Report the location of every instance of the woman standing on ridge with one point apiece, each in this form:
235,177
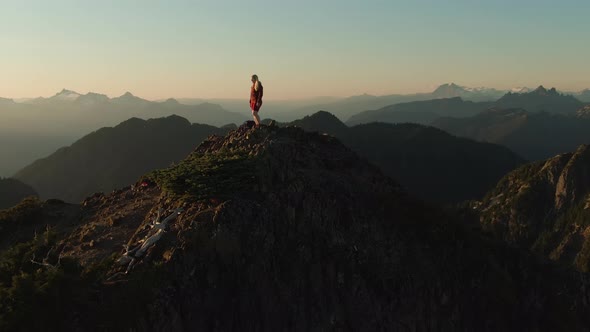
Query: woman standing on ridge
256,98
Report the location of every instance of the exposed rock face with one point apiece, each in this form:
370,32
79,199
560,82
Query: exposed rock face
574,182
584,112
285,230
543,206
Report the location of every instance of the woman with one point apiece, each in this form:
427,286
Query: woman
256,98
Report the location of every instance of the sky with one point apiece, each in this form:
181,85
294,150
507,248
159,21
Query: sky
299,49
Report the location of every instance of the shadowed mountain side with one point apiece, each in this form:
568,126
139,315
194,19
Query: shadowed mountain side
421,112
272,229
545,206
19,148
110,158
13,191
534,136
427,161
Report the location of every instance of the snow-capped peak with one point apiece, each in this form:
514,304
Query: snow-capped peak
521,89
66,95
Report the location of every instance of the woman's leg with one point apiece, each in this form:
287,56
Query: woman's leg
256,117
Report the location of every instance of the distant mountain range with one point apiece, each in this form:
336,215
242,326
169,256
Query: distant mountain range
34,128
344,109
102,109
426,112
111,158
539,100
421,112
427,161
536,100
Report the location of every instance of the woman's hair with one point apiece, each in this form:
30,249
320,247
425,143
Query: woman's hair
255,77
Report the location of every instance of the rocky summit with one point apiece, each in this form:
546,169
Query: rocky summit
269,229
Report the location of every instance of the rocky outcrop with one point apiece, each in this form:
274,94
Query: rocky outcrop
574,182
543,206
584,112
278,229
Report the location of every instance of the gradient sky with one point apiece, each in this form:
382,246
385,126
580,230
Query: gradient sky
303,48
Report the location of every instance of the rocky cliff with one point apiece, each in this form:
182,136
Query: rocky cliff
545,206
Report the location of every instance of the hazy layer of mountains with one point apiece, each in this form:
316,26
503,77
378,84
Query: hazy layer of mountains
427,161
533,135
33,128
91,111
425,112
113,157
522,132
274,229
345,108
536,125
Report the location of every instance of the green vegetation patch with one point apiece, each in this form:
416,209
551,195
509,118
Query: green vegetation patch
34,296
27,211
211,175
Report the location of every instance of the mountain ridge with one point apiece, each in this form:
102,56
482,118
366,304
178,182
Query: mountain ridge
307,235
112,157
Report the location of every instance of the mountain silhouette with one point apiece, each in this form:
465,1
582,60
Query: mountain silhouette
271,229
540,99
421,112
427,161
111,158
13,191
533,135
345,108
